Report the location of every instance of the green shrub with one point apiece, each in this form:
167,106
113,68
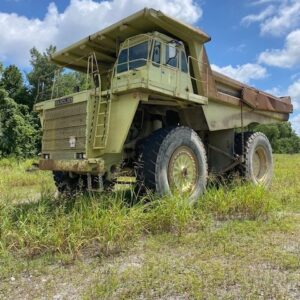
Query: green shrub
281,136
18,132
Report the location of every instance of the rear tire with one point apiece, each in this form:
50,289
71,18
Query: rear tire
257,167
173,160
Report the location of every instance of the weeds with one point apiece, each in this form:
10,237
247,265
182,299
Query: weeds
236,261
239,202
105,224
17,182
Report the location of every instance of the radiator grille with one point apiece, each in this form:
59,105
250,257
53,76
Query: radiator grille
60,124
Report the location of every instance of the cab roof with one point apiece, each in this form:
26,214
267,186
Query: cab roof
105,43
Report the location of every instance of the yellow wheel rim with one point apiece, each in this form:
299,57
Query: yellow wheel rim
183,170
260,165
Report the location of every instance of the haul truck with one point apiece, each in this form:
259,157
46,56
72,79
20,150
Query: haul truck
155,113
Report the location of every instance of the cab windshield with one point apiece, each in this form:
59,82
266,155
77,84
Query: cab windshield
133,57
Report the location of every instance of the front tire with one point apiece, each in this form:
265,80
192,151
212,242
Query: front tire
174,161
69,186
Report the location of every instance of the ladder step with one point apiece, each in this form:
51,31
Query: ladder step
100,137
126,179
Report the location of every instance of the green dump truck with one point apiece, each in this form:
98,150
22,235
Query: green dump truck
155,113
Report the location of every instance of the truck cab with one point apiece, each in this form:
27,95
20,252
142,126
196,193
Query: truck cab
153,61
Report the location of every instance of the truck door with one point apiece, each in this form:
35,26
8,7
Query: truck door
184,83
156,71
169,69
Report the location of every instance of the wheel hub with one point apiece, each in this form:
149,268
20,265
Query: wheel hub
183,170
260,166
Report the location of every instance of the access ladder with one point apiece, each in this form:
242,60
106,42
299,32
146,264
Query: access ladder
101,107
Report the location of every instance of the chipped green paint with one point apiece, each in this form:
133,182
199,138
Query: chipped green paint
93,166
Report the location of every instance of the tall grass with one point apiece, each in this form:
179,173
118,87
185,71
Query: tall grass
106,223
17,181
240,201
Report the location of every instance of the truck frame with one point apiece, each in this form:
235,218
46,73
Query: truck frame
155,114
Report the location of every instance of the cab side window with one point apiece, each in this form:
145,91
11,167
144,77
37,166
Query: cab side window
184,65
122,61
156,52
171,55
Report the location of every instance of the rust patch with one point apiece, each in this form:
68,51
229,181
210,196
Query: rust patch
253,97
95,166
263,101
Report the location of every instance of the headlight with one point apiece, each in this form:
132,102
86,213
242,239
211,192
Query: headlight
46,156
80,155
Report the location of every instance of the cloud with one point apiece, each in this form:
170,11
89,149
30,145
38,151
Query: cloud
19,34
259,17
244,73
276,91
286,18
261,2
238,48
295,76
295,120
278,20
81,18
294,91
287,57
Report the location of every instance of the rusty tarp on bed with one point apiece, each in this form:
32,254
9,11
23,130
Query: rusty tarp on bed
256,99
263,101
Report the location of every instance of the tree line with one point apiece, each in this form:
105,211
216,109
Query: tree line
281,136
20,130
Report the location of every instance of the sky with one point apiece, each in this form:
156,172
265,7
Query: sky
254,41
